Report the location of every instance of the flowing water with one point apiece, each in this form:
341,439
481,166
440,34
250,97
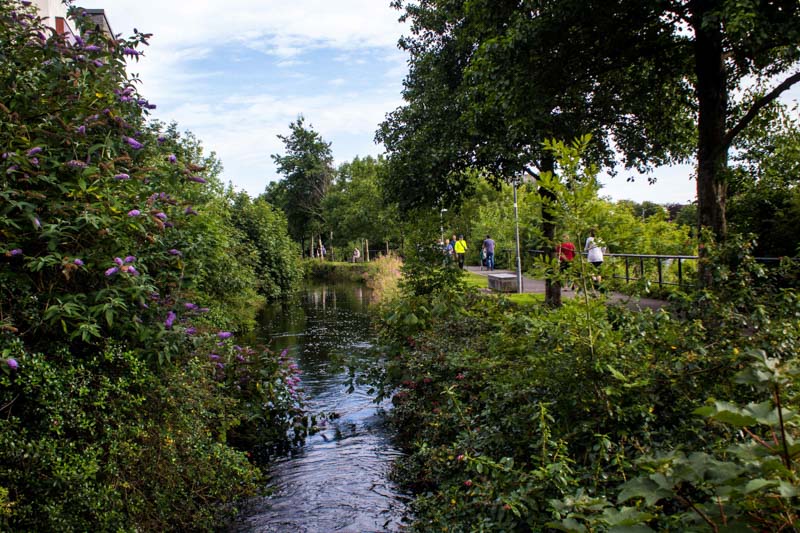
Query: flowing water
338,481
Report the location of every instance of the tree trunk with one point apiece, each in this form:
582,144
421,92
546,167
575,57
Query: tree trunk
552,289
712,151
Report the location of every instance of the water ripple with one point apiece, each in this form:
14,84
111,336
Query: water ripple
339,480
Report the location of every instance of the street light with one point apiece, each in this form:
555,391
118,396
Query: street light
441,222
516,234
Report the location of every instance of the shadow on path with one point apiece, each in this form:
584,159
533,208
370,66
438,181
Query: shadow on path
536,286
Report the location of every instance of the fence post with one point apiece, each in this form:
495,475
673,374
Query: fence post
627,271
680,273
659,273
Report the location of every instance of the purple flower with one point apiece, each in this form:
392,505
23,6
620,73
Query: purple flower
80,130
6,155
175,252
220,366
15,251
130,259
190,211
98,63
203,310
79,41
191,331
119,261
34,151
78,262
197,179
134,213
161,216
75,163
170,319
36,222
92,48
161,139
224,334
190,306
136,145
132,270
172,158
214,357
128,51
111,271
12,363
169,225
12,168
240,358
121,177
34,161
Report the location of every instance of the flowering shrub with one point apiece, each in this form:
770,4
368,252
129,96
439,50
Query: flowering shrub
114,234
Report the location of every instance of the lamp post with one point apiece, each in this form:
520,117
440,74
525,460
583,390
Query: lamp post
441,222
516,235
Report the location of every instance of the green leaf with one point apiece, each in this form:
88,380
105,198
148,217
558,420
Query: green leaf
625,517
643,488
759,484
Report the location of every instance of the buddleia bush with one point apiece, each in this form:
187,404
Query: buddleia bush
119,387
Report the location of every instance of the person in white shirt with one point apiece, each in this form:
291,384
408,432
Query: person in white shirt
594,252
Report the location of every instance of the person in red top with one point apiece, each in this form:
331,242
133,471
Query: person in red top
566,253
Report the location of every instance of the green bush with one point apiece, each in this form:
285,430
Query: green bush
526,419
122,396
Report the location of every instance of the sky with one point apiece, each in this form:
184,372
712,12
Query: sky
236,73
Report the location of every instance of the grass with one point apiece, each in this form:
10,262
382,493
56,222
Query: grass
477,281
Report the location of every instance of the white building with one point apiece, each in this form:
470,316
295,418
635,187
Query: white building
55,15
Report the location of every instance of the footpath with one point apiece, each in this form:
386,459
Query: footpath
536,286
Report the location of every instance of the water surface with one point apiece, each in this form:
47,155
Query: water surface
338,481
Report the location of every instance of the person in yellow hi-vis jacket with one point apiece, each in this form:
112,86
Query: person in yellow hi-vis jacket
461,250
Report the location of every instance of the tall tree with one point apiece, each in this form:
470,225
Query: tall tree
490,79
486,90
307,167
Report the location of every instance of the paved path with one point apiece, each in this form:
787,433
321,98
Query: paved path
536,286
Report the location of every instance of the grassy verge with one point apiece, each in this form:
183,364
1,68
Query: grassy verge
477,281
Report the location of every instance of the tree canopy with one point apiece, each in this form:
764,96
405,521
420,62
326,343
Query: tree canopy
656,80
307,167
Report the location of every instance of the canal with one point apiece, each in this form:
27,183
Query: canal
338,481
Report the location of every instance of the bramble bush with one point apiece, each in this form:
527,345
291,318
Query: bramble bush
125,403
584,418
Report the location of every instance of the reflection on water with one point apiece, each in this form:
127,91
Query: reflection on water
338,480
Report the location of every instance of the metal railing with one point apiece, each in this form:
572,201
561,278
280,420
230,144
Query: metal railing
636,266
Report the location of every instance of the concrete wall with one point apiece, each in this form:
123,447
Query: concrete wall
51,10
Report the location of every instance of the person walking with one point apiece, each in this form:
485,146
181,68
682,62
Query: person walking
566,253
461,250
488,249
594,253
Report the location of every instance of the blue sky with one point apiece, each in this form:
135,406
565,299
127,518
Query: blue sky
237,72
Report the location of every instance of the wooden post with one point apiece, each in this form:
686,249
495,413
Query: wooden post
366,247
